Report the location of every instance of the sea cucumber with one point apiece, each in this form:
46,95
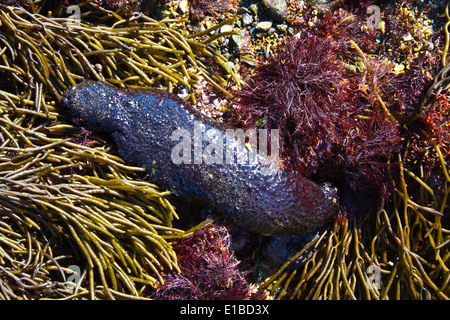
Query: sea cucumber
141,124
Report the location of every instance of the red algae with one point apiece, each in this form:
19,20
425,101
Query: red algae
199,9
332,124
209,270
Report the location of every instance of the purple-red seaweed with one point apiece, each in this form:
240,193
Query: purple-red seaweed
209,270
199,9
321,110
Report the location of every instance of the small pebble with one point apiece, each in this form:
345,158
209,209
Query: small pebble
250,61
226,54
184,93
276,9
209,23
243,10
408,37
226,28
254,9
242,41
247,19
263,26
183,6
282,27
98,67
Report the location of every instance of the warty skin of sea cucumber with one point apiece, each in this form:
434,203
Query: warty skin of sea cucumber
141,124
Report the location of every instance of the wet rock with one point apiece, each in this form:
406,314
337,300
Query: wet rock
209,23
276,9
323,4
254,9
282,27
246,19
183,6
250,61
236,40
263,26
226,54
226,28
242,41
243,10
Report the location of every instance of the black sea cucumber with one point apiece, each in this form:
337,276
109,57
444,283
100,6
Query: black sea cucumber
141,124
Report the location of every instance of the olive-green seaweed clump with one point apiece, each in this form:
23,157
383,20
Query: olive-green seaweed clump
75,220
